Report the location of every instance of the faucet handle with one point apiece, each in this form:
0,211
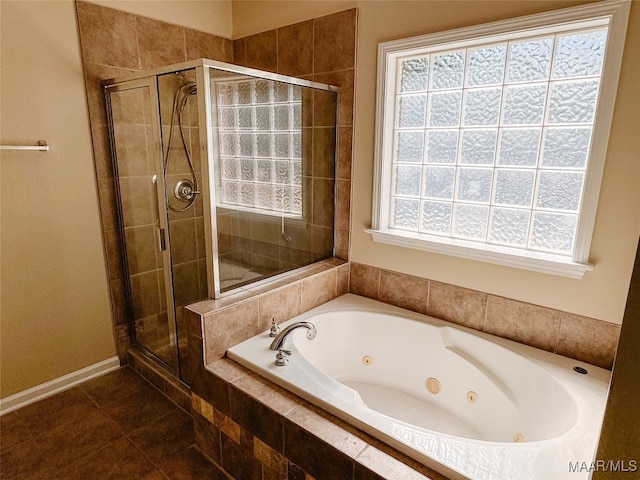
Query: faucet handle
282,358
275,328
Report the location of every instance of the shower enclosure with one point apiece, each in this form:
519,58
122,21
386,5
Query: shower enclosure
224,176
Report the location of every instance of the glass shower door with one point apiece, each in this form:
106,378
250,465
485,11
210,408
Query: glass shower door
140,187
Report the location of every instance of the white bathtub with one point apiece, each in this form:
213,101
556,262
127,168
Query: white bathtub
464,403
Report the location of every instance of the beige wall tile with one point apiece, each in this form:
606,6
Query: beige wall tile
262,51
458,305
318,289
229,327
159,43
404,291
364,280
108,36
204,45
345,147
281,304
345,80
587,339
522,322
295,49
334,41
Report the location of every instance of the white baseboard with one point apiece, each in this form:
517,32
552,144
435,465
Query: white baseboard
56,385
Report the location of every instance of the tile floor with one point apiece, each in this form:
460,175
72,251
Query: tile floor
117,426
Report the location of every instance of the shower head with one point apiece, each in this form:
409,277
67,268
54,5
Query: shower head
189,88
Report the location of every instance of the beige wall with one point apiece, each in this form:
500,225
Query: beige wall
55,314
207,16
601,293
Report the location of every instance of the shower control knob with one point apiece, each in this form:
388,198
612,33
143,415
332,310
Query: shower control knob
275,328
185,190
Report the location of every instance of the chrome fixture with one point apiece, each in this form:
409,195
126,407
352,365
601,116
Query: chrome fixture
278,342
186,191
275,328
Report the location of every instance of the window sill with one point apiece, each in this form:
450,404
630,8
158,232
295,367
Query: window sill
534,261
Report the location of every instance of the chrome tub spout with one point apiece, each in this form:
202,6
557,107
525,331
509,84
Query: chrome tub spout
278,342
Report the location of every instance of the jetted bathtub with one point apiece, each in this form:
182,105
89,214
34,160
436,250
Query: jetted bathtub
467,404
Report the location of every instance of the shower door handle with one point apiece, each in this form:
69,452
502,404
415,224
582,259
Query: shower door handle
161,239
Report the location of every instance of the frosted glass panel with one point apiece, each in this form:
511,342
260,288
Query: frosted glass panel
444,109
263,118
529,61
415,75
436,217
524,105
474,184
407,180
247,194
263,145
447,70
281,145
514,187
226,94
281,117
486,65
229,168
560,190
478,147
470,221
264,196
246,170
245,118
442,146
553,232
230,192
482,106
245,144
281,172
573,102
412,111
409,147
227,144
244,92
227,118
264,174
262,91
566,147
405,213
296,145
519,147
509,227
439,182
579,55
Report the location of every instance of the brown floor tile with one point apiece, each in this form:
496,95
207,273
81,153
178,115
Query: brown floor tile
70,442
52,412
139,409
114,386
118,460
190,464
12,430
23,462
79,434
167,434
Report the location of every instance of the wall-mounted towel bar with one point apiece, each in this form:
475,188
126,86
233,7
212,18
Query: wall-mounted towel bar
41,146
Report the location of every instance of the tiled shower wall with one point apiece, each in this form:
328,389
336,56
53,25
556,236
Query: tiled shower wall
115,43
321,50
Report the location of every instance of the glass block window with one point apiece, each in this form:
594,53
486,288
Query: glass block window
260,145
491,139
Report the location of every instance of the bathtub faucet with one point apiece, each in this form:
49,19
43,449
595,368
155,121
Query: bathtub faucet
278,342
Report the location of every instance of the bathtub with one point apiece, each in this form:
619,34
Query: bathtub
467,404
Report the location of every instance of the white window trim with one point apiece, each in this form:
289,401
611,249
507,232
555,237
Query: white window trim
613,12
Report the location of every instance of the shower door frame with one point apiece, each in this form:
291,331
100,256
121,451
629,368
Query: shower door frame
163,243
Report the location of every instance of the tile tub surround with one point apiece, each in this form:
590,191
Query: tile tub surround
582,338
253,429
